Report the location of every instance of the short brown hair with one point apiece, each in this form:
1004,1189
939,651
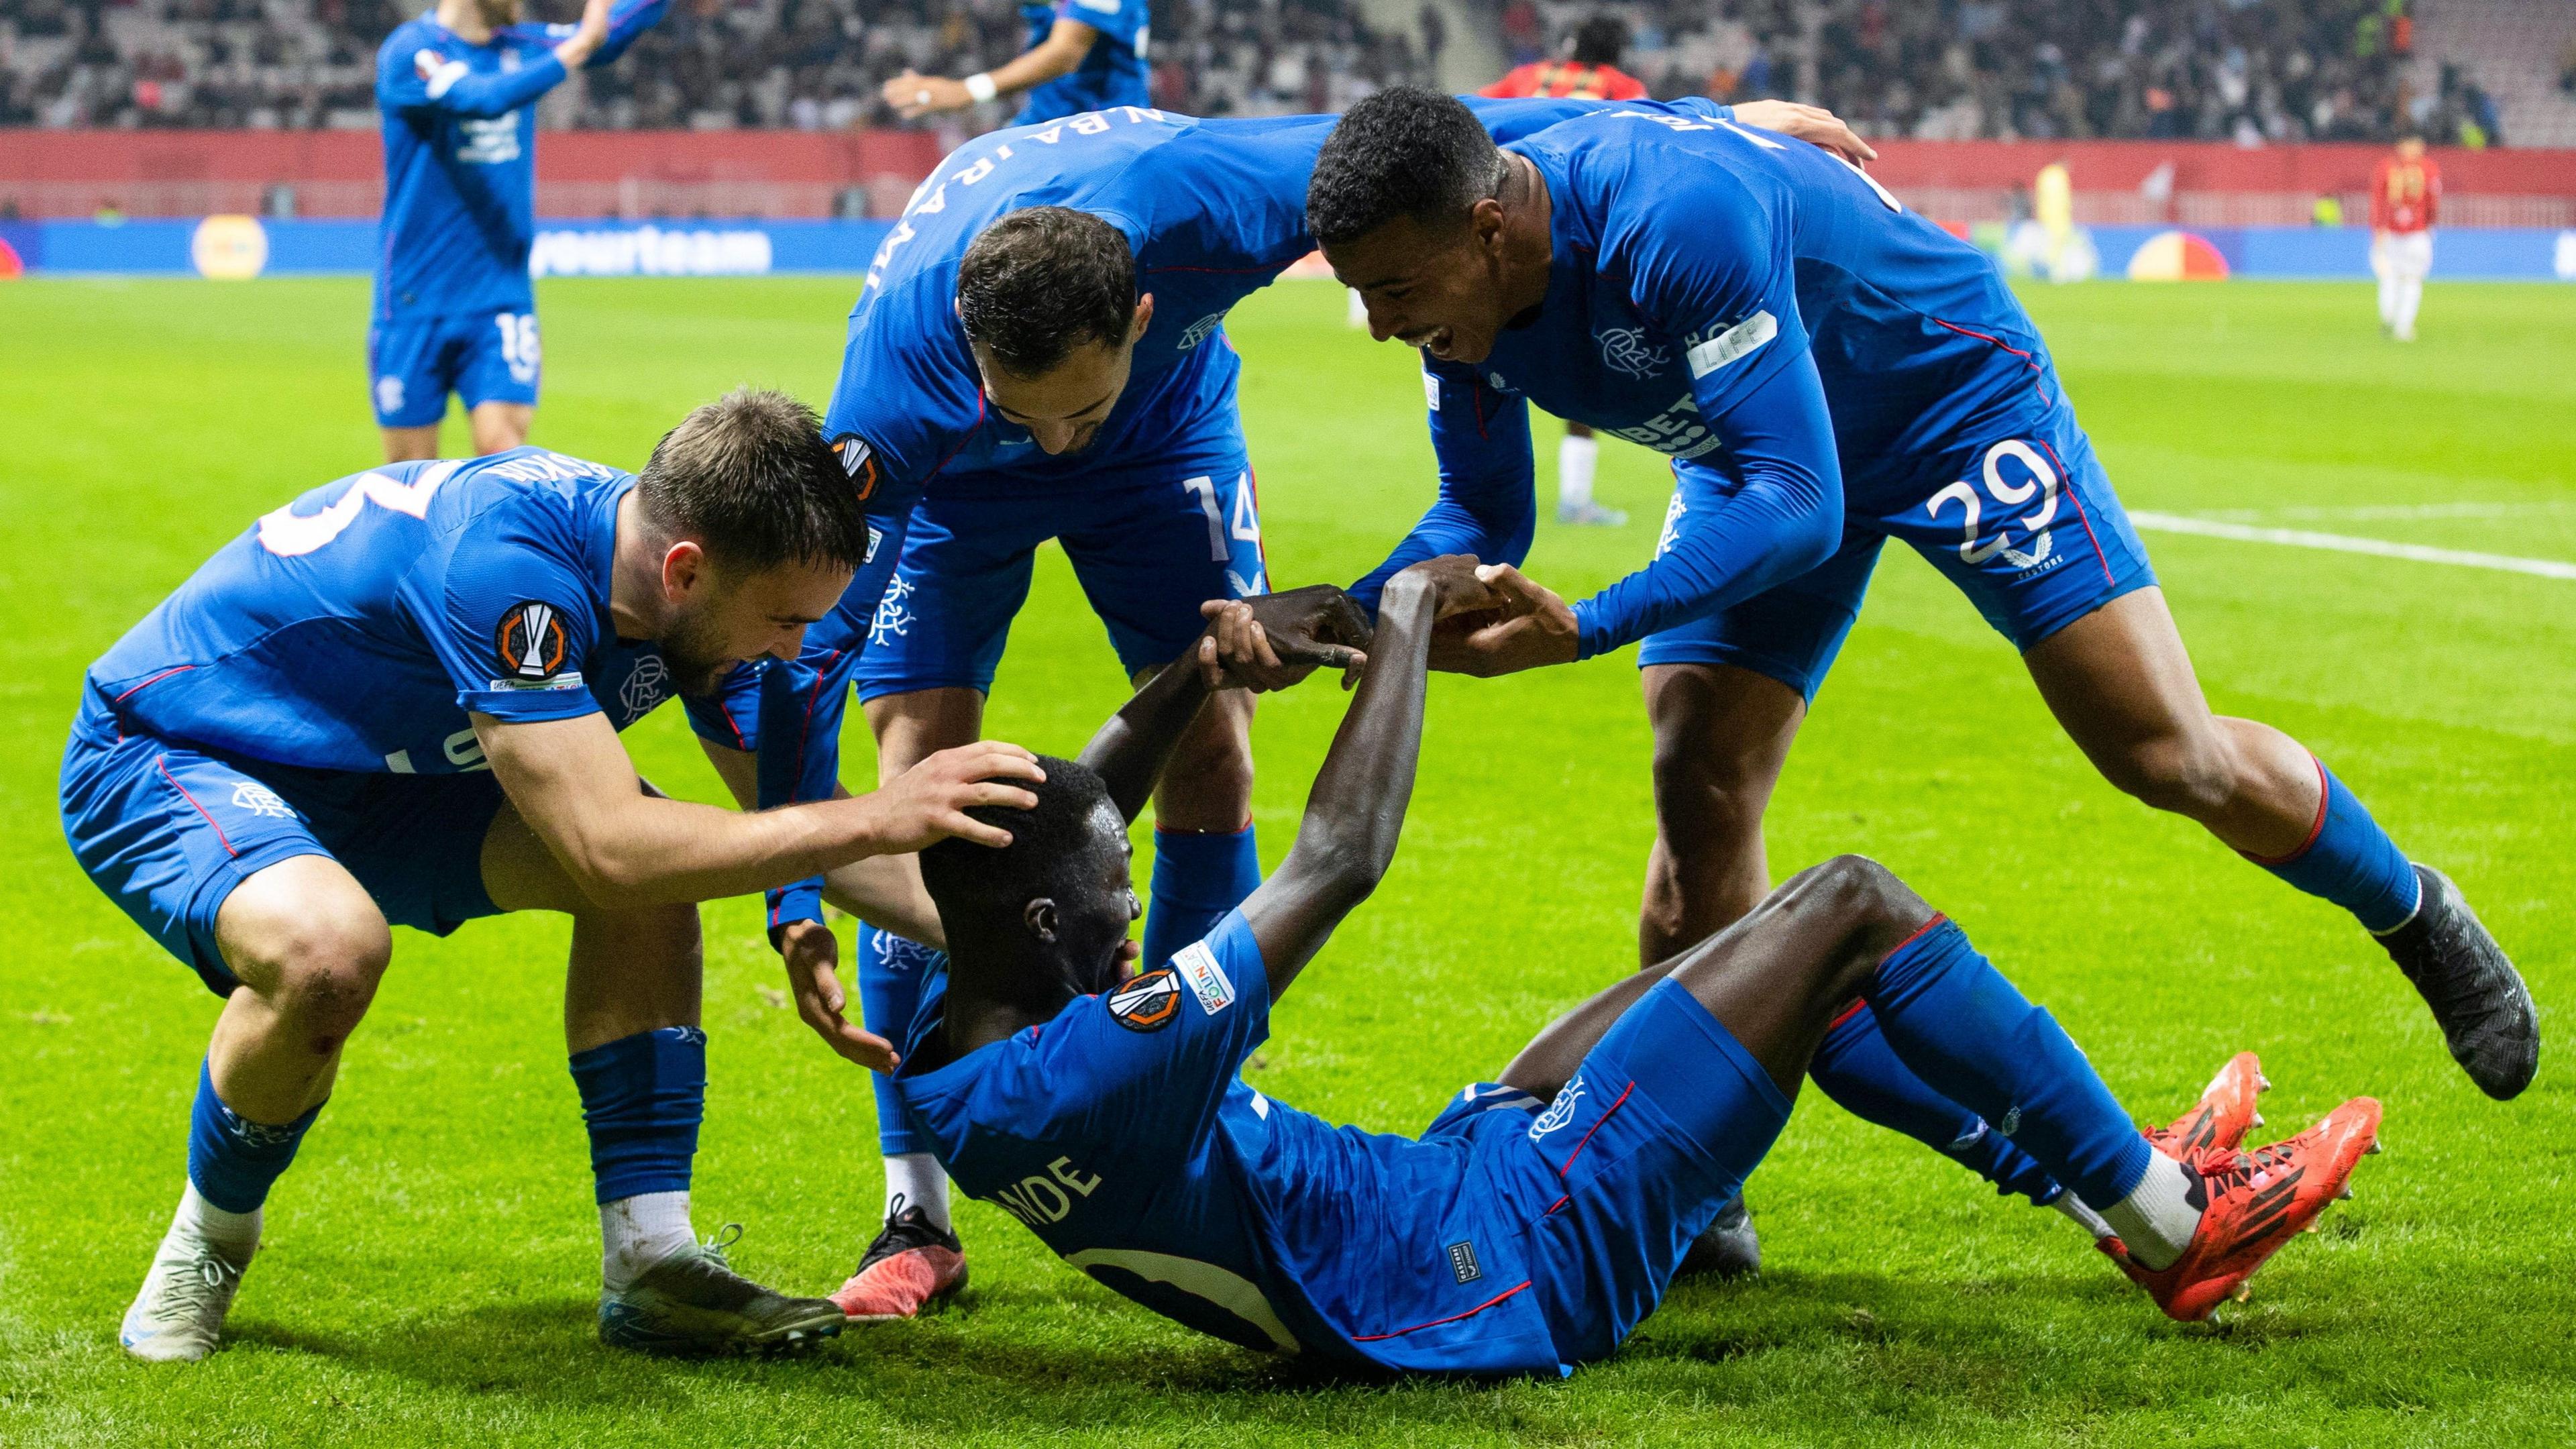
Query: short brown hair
1042,281
751,479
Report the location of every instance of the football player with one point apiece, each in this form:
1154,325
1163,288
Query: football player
1082,55
453,309
1039,352
1827,371
2405,200
395,701
1539,1217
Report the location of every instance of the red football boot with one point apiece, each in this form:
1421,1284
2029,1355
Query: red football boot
912,1264
2222,1116
2258,1201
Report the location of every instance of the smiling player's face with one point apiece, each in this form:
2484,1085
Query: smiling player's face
716,623
1439,289
1092,931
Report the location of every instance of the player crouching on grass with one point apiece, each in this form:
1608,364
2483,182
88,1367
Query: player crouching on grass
397,700
1538,1219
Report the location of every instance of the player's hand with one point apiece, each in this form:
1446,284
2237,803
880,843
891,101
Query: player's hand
812,955
1458,586
1812,124
1531,627
912,94
1272,641
586,37
928,803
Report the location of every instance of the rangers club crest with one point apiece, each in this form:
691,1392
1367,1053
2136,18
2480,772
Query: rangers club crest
1625,349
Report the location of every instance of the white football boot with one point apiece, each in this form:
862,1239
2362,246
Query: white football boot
180,1312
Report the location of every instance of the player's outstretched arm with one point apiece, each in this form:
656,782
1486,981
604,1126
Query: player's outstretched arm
1281,637
914,95
1356,810
1812,124
572,782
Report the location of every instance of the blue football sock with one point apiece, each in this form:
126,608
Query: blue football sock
1856,1068
2350,861
1951,1016
1197,879
232,1159
891,969
642,1097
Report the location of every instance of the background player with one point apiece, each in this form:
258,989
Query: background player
1539,1218
2405,196
1827,371
454,311
1083,55
1039,352
396,700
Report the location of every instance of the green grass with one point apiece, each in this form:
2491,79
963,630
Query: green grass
431,1261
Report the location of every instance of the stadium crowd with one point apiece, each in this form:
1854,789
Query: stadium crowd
2246,70
712,65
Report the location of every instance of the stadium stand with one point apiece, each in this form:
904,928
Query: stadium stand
713,65
2249,71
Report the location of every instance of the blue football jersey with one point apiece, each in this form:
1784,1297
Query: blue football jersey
1214,210
1764,314
1113,72
460,129
1123,1135
354,628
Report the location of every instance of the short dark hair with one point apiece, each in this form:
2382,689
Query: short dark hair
1601,41
1404,152
1044,855
1043,281
751,479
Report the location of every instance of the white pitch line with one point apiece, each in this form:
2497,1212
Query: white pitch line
2344,543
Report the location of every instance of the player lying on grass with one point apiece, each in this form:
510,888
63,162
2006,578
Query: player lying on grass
1038,353
1827,371
1539,1218
397,700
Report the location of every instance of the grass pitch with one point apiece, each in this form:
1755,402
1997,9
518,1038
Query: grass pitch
431,1259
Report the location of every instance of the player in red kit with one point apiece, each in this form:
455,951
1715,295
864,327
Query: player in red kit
2405,192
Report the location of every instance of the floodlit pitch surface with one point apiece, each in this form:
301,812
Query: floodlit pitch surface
431,1260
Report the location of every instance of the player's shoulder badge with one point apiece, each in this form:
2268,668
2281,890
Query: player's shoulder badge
1207,980
1147,1003
534,647
860,462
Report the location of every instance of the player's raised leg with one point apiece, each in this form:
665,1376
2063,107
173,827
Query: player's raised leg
638,1054
2190,1231
2121,682
307,946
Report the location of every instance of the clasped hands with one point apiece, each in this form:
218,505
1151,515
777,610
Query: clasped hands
1491,619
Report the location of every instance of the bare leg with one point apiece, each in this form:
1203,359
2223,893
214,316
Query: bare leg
631,971
500,426
1773,979
2121,683
1721,737
309,946
1207,784
405,445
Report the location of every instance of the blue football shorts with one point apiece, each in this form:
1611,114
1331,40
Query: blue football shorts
2031,532
413,364
1150,542
1604,1188
168,831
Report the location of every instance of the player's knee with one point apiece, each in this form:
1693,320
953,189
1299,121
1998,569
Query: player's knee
1860,903
2182,773
323,969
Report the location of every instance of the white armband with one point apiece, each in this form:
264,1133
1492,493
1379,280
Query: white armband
980,86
